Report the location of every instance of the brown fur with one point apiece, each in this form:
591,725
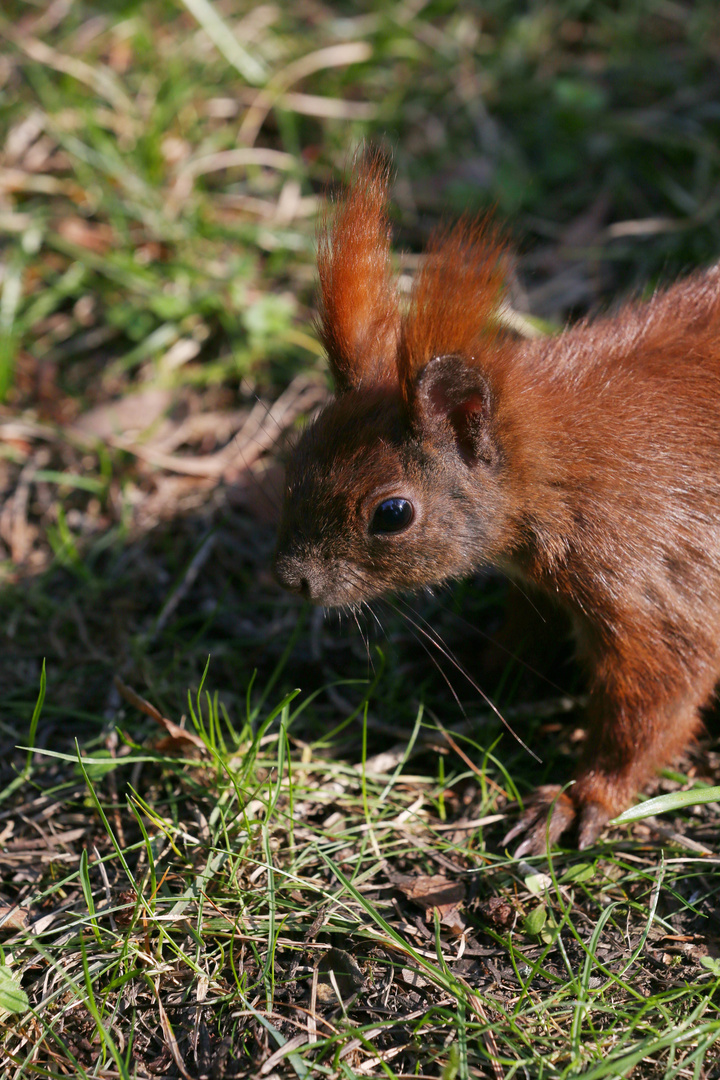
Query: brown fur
454,301
588,464
359,310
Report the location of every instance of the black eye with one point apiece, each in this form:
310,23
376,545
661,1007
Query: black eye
391,515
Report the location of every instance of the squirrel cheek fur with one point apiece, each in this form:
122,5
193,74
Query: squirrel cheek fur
588,462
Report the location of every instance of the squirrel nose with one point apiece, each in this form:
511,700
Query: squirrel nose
292,575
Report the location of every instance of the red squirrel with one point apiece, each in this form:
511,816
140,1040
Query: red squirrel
587,464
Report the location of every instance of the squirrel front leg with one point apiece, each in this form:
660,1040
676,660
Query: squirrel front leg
636,725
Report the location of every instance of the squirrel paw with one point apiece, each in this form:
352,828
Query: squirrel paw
550,802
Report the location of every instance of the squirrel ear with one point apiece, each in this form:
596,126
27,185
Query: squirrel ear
359,317
455,300
454,398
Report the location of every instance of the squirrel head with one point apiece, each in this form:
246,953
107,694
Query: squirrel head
399,482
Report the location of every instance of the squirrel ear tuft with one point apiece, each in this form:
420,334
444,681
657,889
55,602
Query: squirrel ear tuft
359,317
455,300
454,399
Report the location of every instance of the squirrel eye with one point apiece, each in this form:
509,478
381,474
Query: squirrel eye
391,516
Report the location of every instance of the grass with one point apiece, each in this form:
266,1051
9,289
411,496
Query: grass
256,880
241,900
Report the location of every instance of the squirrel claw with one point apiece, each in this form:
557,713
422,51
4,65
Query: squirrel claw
548,814
592,819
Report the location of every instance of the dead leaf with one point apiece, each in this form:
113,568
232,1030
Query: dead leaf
179,740
414,978
339,968
14,918
498,913
94,236
434,892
